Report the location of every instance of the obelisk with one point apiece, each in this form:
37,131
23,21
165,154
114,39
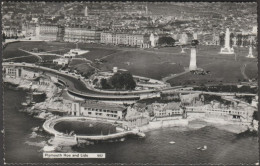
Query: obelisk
193,63
182,50
152,40
227,39
227,49
250,54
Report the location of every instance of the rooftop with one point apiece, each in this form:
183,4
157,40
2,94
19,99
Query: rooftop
101,105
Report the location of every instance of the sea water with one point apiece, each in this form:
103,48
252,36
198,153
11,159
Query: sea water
222,146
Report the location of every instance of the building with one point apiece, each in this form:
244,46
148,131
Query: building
82,35
11,71
61,61
136,117
60,33
161,110
19,72
238,112
98,110
48,31
173,109
126,39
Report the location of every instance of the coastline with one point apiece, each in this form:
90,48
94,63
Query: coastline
52,103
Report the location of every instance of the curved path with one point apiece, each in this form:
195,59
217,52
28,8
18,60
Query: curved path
78,88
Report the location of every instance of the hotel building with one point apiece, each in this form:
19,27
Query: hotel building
48,31
83,35
126,39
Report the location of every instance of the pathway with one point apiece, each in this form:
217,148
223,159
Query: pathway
17,57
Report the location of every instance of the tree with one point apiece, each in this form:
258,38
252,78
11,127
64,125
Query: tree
255,115
166,41
123,81
222,39
239,39
231,39
104,84
4,37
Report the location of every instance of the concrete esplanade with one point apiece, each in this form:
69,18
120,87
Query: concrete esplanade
79,88
48,126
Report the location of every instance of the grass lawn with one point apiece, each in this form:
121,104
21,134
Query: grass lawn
252,70
145,63
81,66
154,63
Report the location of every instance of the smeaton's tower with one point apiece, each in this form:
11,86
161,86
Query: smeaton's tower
227,49
193,63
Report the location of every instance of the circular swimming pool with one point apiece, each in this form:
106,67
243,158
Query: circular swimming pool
85,127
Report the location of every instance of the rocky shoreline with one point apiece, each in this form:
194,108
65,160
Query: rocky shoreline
57,106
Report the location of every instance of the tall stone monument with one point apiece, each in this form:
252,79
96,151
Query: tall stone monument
193,63
182,50
227,49
86,11
152,40
250,54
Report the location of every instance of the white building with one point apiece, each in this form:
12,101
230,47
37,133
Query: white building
98,110
61,61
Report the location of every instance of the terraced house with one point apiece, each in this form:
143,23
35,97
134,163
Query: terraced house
83,35
126,39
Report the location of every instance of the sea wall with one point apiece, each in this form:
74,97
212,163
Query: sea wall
164,123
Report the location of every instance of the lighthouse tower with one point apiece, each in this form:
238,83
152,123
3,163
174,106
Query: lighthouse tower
193,63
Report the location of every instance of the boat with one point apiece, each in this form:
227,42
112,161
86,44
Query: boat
90,125
203,148
172,142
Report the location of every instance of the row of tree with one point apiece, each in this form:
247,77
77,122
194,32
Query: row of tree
241,40
166,41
